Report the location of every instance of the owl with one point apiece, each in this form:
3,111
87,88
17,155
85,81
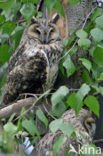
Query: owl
84,135
33,67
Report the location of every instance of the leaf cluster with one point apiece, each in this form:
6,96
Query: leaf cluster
89,39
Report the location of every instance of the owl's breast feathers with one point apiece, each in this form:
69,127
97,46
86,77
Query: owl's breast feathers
32,68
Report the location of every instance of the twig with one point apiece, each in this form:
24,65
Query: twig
96,94
73,89
48,112
88,17
4,1
31,94
35,102
68,51
98,141
35,95
39,4
21,21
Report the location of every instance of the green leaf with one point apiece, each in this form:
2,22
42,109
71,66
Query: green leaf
71,100
97,34
71,40
14,10
31,1
10,128
4,54
69,66
3,38
81,34
56,5
42,117
27,10
86,77
92,103
98,55
98,89
3,81
55,125
84,43
91,50
2,19
19,125
8,27
100,78
83,91
75,100
58,106
67,129
36,131
101,90
4,66
95,14
59,95
73,50
74,2
17,33
30,127
7,6
95,86
99,22
58,144
50,4
12,117
86,63
96,70
58,109
39,14
62,68
65,42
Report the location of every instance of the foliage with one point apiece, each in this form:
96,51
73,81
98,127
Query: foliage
58,106
89,39
42,117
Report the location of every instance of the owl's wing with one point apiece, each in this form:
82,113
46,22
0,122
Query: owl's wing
28,76
16,56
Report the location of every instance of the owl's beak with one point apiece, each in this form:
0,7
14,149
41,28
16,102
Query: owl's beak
44,42
44,38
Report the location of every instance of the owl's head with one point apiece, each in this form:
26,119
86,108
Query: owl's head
44,31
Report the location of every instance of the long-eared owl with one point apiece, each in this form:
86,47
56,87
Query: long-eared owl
33,67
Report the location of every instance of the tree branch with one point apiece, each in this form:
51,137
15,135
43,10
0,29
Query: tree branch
68,51
16,107
88,16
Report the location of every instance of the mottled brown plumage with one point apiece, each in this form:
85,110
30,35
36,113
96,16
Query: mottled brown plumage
83,135
33,67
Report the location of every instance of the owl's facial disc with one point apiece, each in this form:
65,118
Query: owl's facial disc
45,31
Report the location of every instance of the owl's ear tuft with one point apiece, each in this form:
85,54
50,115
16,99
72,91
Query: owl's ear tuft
55,18
33,20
